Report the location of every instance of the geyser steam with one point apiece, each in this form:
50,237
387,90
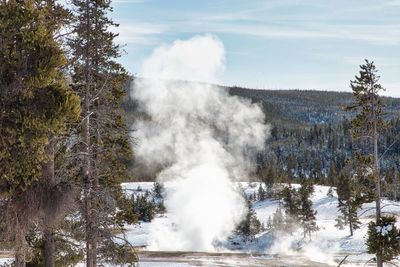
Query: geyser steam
204,139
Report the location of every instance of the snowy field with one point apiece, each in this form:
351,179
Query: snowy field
328,246
6,261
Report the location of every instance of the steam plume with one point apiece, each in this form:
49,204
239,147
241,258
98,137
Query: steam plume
203,137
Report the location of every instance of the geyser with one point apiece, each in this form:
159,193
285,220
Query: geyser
203,137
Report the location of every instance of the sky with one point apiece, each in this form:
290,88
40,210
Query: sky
281,44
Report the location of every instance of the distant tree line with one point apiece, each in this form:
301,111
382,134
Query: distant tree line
321,152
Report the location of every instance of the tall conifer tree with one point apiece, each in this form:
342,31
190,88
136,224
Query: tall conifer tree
353,189
307,213
369,123
105,146
291,205
36,104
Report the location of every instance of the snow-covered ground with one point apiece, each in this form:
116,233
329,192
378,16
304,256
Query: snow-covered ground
327,248
328,245
6,261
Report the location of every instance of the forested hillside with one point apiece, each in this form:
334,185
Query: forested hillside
310,135
306,107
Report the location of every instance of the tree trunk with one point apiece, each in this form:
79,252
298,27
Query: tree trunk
20,250
350,223
377,176
87,180
379,262
351,228
49,248
95,202
87,188
48,233
95,147
95,226
396,184
20,259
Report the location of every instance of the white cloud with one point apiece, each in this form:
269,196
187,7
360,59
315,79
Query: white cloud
390,62
326,31
128,1
373,22
138,33
392,89
387,34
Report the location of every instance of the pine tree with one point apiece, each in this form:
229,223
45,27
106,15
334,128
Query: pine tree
384,238
306,212
277,223
291,165
291,205
261,194
332,175
369,122
158,190
268,175
36,104
250,226
105,145
392,183
144,207
351,196
35,100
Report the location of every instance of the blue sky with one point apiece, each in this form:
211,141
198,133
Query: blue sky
273,44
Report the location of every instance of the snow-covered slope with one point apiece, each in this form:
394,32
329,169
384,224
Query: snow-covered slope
325,243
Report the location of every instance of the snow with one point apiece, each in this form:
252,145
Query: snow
6,261
328,246
163,264
137,188
324,247
384,230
